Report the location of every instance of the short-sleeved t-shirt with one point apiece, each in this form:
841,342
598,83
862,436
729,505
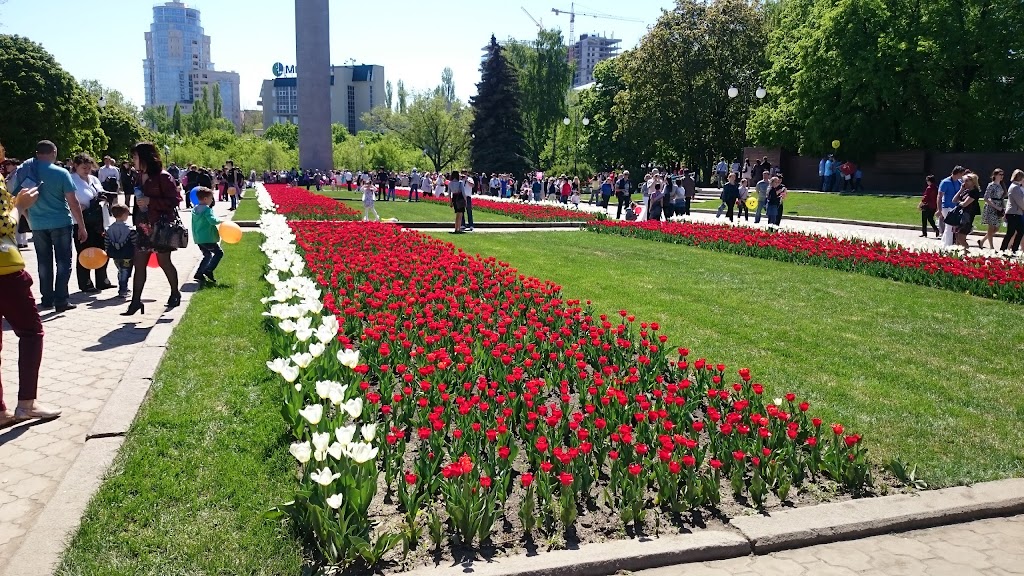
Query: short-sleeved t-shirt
948,188
51,210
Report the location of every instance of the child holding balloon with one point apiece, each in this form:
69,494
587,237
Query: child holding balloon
204,229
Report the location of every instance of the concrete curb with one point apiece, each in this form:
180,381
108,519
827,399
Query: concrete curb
873,516
606,557
781,530
47,537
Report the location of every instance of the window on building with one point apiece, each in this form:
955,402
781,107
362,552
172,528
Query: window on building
351,93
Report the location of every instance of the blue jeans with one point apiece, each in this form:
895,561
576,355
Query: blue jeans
212,253
124,273
468,223
414,189
773,214
391,193
760,208
53,245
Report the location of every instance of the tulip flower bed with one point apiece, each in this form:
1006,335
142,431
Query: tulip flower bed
997,278
437,395
300,204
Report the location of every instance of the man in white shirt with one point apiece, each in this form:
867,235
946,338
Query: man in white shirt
109,170
348,179
415,181
720,171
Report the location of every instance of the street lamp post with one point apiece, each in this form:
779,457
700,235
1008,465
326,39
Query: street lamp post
576,138
760,93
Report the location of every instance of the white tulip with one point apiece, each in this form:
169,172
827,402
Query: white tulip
302,360
290,373
353,407
334,501
362,452
316,349
337,393
298,387
277,365
287,326
321,440
323,388
302,328
345,434
369,432
335,450
324,477
301,451
348,358
330,323
325,335
312,413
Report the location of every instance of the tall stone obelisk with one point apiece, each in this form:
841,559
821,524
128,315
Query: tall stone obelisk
313,79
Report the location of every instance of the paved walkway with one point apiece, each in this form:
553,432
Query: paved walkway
87,352
993,547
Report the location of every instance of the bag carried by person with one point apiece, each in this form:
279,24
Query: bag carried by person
169,233
955,216
10,258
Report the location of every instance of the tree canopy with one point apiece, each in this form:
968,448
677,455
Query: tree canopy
544,76
42,101
497,127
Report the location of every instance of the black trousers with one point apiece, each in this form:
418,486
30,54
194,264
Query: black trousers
623,203
928,218
729,210
1014,231
743,211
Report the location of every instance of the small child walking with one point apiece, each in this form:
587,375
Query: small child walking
204,230
119,245
368,200
574,199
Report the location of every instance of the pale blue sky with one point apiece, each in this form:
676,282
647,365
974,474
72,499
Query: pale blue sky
413,40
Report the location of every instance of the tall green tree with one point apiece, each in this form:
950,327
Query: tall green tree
200,120
42,101
447,87
497,127
544,79
285,133
389,95
176,124
122,130
111,97
218,102
403,97
156,119
675,105
439,128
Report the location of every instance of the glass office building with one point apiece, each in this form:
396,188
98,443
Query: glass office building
178,62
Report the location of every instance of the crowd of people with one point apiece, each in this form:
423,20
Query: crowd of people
76,203
950,207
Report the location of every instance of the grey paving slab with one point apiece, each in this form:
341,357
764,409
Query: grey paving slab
96,368
985,547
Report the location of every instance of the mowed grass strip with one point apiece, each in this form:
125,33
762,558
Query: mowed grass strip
933,377
207,454
900,210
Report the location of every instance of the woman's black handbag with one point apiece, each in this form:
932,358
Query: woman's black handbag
955,216
169,233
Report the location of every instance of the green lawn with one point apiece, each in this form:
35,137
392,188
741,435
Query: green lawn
248,210
206,455
425,212
928,375
901,210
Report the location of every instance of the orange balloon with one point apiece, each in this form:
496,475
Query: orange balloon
230,232
92,258
153,262
232,191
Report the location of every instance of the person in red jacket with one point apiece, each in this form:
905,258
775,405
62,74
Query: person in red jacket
928,206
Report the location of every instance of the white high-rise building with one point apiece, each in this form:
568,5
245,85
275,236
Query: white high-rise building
587,52
178,63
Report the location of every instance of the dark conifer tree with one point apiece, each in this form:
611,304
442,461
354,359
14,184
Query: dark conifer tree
497,127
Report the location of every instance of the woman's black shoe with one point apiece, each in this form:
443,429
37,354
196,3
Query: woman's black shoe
135,306
174,300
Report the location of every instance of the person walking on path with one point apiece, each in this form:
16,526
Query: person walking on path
18,308
415,180
1014,212
689,191
928,206
762,195
52,219
730,193
948,188
368,202
969,199
207,237
622,194
468,183
159,202
995,208
119,244
741,202
455,190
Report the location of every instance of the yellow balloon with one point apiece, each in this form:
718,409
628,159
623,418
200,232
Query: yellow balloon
752,203
232,191
230,232
92,258
835,144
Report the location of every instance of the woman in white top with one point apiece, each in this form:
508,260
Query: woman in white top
439,186
89,193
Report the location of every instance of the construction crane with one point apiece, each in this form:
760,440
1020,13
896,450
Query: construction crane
572,23
540,25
